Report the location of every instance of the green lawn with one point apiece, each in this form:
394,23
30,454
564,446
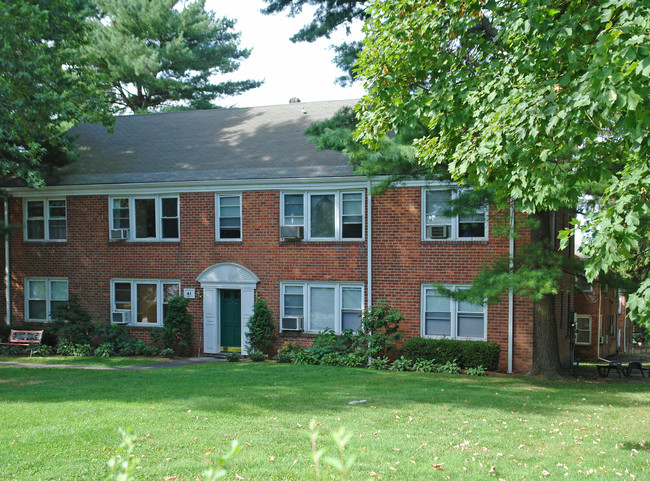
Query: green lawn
85,360
63,424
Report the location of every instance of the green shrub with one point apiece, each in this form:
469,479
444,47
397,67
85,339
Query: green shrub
378,333
65,348
233,357
304,357
402,364
328,342
257,356
290,348
283,357
45,350
475,371
5,332
332,359
379,363
425,365
118,337
72,323
355,360
167,352
261,328
177,329
450,367
104,350
466,353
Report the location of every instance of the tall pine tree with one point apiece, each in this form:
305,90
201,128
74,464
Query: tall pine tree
165,53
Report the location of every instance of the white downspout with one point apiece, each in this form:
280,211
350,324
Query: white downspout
600,327
511,305
7,272
369,244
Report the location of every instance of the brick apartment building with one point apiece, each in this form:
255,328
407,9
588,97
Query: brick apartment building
602,327
225,205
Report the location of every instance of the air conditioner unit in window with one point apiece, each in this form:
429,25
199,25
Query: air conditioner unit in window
119,234
121,317
438,232
291,232
291,324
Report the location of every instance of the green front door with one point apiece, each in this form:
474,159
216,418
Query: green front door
230,302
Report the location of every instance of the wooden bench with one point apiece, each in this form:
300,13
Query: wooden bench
29,339
603,369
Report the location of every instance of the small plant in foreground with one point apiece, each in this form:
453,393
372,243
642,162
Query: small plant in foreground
124,463
340,463
233,357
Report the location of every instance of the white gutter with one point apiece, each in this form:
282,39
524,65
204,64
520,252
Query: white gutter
7,278
369,244
511,303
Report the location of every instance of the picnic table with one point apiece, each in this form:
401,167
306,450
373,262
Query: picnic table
621,369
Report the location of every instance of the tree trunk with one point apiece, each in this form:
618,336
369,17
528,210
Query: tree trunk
546,351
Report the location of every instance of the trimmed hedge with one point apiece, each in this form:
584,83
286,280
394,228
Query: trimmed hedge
468,354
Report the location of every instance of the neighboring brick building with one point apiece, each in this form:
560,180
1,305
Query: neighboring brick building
225,205
602,328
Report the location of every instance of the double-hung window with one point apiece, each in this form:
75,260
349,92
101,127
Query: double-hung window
154,218
437,225
334,306
325,215
43,296
583,330
228,217
141,302
46,220
443,316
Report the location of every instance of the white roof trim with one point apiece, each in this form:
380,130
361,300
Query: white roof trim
355,182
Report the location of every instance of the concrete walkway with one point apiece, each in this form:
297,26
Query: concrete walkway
190,361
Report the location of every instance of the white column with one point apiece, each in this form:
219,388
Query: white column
247,301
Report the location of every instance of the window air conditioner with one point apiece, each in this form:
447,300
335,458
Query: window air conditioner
121,317
119,234
291,232
291,324
438,232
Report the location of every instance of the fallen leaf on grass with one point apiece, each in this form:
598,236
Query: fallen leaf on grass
438,466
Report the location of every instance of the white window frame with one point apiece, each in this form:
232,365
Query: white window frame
160,300
583,316
455,220
306,300
217,215
454,311
338,213
48,296
158,213
46,219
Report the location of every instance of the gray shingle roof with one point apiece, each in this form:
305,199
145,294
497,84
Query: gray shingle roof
224,144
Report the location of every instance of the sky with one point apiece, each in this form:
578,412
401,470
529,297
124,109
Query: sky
303,70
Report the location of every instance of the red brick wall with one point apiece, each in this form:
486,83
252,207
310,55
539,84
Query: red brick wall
402,262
